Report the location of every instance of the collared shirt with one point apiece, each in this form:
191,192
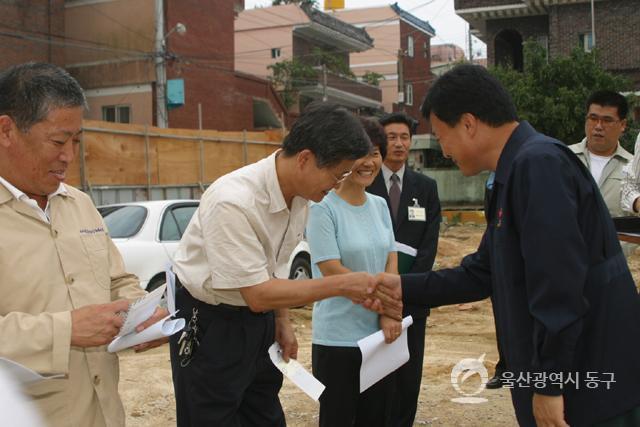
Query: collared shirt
610,180
386,173
20,195
241,235
48,269
630,190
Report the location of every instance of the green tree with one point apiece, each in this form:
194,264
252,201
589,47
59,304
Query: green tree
372,78
551,95
289,75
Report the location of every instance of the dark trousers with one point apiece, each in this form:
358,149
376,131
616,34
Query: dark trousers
341,403
230,381
407,378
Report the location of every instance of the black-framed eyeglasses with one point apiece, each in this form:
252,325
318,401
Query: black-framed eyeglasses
605,120
341,178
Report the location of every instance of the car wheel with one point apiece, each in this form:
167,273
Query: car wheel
156,282
300,269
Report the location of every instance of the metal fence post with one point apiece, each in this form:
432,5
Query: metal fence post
244,147
147,160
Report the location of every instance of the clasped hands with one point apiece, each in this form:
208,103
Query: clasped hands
381,293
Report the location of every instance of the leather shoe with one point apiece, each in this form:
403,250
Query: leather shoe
495,382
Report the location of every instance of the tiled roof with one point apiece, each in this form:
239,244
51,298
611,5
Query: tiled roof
413,20
335,24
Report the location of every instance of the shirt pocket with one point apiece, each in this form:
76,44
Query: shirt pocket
97,250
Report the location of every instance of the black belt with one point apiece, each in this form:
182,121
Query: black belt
219,307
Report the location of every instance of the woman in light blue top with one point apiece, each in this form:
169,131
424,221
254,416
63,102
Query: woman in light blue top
351,230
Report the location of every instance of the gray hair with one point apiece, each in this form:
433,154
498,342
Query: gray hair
30,91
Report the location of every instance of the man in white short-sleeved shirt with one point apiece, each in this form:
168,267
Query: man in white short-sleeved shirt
232,262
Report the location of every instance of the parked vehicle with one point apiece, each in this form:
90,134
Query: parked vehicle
147,234
300,262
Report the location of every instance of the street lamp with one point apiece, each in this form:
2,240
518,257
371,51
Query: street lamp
161,68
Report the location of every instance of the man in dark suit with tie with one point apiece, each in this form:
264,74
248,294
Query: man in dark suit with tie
415,210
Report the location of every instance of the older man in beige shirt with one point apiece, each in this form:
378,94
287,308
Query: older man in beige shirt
63,280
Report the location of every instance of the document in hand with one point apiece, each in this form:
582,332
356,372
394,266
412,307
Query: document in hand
379,359
406,257
23,375
296,373
143,309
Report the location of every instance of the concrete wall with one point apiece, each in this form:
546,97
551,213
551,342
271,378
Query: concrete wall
139,98
456,190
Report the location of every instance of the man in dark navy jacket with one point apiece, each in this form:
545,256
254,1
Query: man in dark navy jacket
418,193
566,306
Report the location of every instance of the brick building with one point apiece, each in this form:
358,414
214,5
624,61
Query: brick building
304,35
401,53
119,74
560,26
32,31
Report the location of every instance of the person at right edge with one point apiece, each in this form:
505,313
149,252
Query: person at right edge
414,205
566,307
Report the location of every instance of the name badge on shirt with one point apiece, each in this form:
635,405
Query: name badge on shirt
417,213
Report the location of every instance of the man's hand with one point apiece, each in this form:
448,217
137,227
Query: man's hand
159,314
391,329
358,286
285,335
549,411
387,297
97,324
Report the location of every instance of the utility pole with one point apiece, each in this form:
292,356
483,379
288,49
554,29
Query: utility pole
161,70
400,80
593,26
325,98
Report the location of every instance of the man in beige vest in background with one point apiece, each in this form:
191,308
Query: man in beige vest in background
600,150
62,279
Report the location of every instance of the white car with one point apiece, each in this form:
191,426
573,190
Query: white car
300,262
147,235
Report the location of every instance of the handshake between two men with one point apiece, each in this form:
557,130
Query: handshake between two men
381,293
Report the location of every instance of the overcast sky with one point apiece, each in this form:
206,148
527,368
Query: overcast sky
450,28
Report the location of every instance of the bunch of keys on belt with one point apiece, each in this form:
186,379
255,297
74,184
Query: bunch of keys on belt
188,341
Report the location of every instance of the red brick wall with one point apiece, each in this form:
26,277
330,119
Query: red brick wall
469,4
417,71
617,32
34,18
529,27
206,62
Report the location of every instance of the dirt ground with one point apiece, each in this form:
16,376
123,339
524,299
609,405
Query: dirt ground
452,334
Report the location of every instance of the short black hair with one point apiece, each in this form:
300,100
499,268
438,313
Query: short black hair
330,132
28,92
400,117
609,98
469,89
376,134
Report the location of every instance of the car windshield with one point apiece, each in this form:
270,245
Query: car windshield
123,221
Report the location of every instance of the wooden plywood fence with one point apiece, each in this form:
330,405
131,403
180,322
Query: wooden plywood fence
144,156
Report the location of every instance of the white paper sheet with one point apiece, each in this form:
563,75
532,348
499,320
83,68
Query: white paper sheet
142,310
379,359
171,289
160,329
21,374
296,373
